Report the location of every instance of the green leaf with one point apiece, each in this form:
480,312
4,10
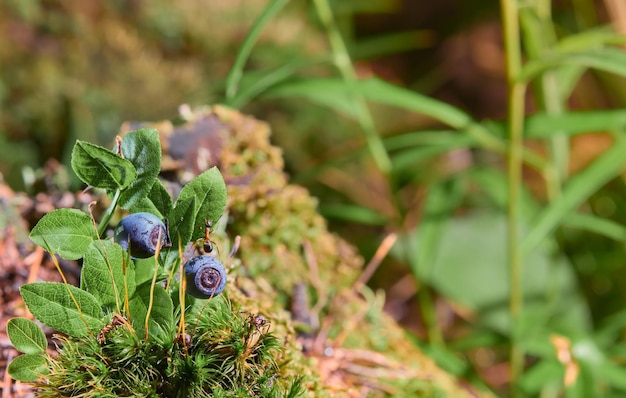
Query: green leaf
161,198
354,213
181,225
543,374
610,330
209,190
477,339
329,92
66,232
612,374
466,267
391,43
542,125
382,92
589,382
28,367
145,205
407,160
441,201
446,138
610,60
336,94
106,275
157,202
53,304
143,149
596,224
101,168
446,359
181,221
144,269
26,336
577,190
589,39
256,82
494,183
161,324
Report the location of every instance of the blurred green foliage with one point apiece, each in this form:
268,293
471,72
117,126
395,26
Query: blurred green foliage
396,115
78,69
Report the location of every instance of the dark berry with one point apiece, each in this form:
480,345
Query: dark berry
140,232
206,277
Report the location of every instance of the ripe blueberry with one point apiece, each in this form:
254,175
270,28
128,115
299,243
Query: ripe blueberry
206,277
141,232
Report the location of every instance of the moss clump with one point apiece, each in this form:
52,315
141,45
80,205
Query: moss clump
224,353
333,332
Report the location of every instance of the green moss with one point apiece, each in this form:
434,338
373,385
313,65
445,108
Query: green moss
225,354
342,343
324,335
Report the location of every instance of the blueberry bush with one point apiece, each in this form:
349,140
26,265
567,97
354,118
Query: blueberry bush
287,314
129,329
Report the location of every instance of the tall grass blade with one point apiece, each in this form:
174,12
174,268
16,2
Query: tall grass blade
542,125
344,65
578,189
255,83
610,60
236,72
592,223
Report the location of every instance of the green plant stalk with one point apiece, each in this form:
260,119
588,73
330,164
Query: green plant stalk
515,113
433,331
514,166
344,65
151,302
106,217
559,144
539,41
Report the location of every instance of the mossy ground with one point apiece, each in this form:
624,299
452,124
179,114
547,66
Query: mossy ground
290,268
325,333
223,353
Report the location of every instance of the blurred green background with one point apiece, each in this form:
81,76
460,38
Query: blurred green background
395,114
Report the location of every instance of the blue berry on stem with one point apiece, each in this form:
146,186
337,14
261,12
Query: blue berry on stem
140,232
206,277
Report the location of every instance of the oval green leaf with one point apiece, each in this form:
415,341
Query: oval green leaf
181,221
28,367
106,276
66,232
26,336
209,190
53,304
157,202
143,149
161,324
101,168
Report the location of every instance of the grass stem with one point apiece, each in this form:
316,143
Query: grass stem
236,71
346,69
429,314
515,113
